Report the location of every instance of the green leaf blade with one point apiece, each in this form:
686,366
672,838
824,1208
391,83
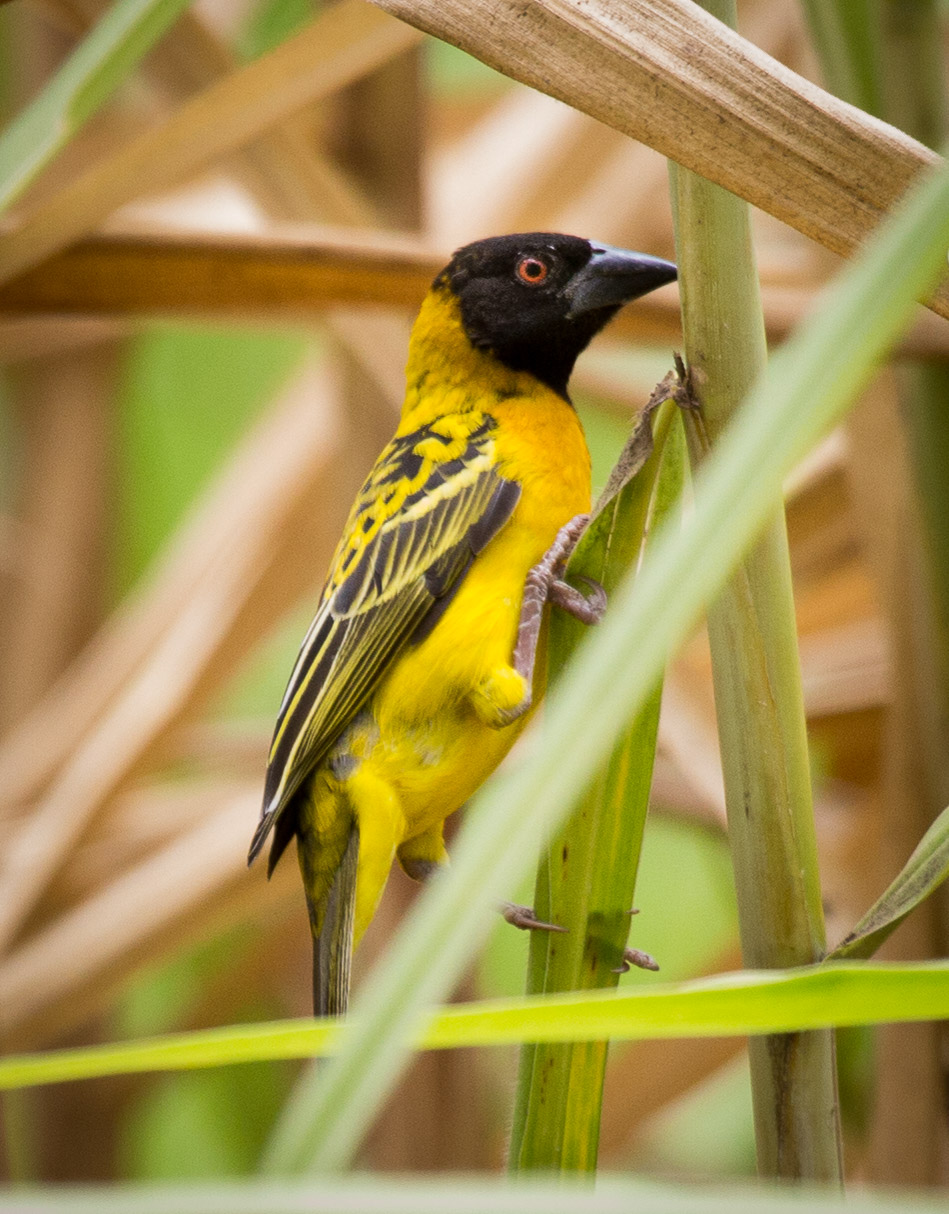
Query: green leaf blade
735,1004
923,873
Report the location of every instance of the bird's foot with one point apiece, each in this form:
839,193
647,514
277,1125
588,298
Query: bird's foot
588,609
524,918
544,583
635,956
561,550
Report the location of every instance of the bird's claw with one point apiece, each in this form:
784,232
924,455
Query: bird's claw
524,918
683,392
635,956
588,609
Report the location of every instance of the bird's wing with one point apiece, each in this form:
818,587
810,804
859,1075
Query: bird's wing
432,502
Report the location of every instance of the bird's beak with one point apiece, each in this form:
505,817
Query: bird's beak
613,277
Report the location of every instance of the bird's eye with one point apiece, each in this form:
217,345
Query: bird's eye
532,270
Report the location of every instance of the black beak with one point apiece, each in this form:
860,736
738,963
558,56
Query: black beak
613,277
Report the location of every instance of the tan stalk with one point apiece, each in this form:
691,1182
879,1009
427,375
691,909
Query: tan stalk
64,406
908,1129
890,61
645,1077
32,337
285,169
43,740
197,881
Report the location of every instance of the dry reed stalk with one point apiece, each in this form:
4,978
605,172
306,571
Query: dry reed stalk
63,406
41,337
376,350
688,735
846,668
143,819
285,167
644,1077
237,748
623,199
297,271
638,217
529,154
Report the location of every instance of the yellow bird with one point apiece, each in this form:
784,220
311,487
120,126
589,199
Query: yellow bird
418,672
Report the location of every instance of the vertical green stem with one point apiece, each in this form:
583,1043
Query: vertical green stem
587,875
758,696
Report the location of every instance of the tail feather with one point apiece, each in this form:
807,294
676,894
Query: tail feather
333,946
260,836
284,827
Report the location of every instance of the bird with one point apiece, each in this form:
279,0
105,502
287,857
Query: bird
420,668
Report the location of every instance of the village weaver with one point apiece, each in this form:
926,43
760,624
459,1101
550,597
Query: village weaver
418,672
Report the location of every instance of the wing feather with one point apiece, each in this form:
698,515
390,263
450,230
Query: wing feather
417,524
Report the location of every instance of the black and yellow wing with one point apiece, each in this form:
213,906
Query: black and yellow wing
432,502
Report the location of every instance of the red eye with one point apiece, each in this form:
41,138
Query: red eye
531,270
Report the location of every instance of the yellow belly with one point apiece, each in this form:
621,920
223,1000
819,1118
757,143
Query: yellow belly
432,746
420,750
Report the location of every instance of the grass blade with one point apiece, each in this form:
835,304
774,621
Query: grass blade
924,871
762,1001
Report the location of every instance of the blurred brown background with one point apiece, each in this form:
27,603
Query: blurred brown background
189,400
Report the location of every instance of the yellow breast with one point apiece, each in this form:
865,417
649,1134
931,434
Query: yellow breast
427,741
432,746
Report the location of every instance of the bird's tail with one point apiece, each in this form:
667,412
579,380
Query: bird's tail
333,944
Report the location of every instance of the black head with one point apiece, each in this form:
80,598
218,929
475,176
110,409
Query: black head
536,299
